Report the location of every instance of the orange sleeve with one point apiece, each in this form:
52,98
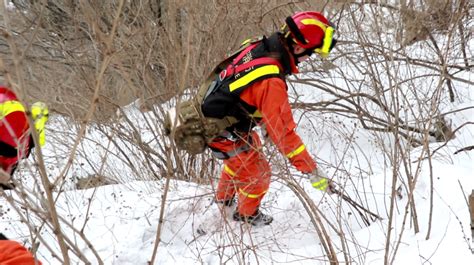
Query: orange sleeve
271,99
13,253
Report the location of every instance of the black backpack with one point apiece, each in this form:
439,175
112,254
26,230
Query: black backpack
196,122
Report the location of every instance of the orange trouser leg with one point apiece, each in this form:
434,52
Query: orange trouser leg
253,183
226,187
248,174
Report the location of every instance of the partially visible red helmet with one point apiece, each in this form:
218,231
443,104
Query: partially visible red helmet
13,122
312,31
6,94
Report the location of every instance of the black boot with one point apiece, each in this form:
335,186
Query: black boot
257,219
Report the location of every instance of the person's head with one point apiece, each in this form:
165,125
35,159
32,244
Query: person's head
307,33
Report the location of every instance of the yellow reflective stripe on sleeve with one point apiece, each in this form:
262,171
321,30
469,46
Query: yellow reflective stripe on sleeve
296,152
250,195
312,21
321,185
257,73
8,107
229,171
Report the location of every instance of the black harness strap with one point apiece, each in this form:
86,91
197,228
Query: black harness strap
295,30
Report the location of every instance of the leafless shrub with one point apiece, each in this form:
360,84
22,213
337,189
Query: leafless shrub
111,69
427,17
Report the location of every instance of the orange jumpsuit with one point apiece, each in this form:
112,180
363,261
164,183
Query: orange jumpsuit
14,133
248,173
13,253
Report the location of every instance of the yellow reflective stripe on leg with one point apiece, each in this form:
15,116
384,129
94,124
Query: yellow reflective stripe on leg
10,106
257,73
229,171
250,195
321,185
296,152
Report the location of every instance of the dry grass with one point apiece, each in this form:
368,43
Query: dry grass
89,59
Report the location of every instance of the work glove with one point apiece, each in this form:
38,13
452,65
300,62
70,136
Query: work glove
40,114
319,180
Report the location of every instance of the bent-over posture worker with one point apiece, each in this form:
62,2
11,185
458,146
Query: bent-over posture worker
252,89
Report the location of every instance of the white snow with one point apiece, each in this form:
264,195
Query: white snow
121,221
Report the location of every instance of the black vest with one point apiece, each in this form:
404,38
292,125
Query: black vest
262,59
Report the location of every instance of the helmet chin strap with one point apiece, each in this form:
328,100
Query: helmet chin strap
307,52
292,51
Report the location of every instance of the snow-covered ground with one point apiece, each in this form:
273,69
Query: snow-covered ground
121,221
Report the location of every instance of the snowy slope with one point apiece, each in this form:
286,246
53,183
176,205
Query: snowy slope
122,221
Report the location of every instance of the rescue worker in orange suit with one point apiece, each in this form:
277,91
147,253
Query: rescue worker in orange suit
13,253
262,99
16,140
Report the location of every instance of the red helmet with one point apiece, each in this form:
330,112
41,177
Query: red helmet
13,122
312,31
